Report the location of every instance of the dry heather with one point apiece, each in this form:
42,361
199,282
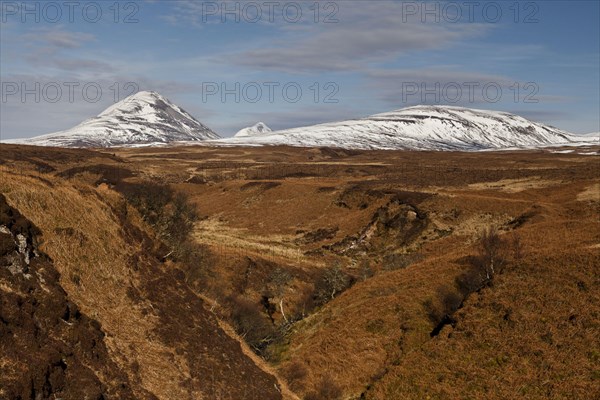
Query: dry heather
367,339
48,346
353,274
156,329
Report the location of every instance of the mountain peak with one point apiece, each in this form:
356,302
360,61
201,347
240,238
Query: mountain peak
148,96
139,99
257,129
146,93
143,118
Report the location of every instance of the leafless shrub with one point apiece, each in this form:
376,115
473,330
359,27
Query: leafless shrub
306,303
197,260
482,269
250,323
492,253
172,217
168,212
470,280
365,270
517,247
331,282
449,302
278,280
490,260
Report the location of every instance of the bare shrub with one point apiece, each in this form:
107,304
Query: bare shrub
492,253
148,198
169,213
250,323
181,217
490,260
449,302
331,282
278,280
172,217
517,246
306,303
197,260
365,270
471,280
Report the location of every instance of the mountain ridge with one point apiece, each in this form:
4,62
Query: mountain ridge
420,128
149,119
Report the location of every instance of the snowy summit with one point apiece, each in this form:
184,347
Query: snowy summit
145,118
253,130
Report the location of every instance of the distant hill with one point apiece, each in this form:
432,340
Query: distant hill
420,128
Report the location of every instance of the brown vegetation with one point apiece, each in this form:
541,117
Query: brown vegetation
111,262
49,348
372,274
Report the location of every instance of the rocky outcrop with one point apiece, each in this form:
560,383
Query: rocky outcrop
49,349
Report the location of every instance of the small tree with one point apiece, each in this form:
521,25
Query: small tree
365,269
332,282
482,269
306,303
449,302
517,247
490,260
278,281
492,249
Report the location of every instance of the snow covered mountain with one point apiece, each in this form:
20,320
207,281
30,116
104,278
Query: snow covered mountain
253,130
419,128
148,119
145,118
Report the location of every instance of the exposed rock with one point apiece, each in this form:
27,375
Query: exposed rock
49,348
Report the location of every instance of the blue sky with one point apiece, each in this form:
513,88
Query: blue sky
290,66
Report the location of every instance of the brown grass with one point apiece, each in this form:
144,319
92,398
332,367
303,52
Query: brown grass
107,271
367,336
532,333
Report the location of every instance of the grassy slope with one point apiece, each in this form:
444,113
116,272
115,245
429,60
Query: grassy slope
535,333
156,328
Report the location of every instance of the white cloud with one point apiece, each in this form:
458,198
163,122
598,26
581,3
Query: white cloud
56,38
367,32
